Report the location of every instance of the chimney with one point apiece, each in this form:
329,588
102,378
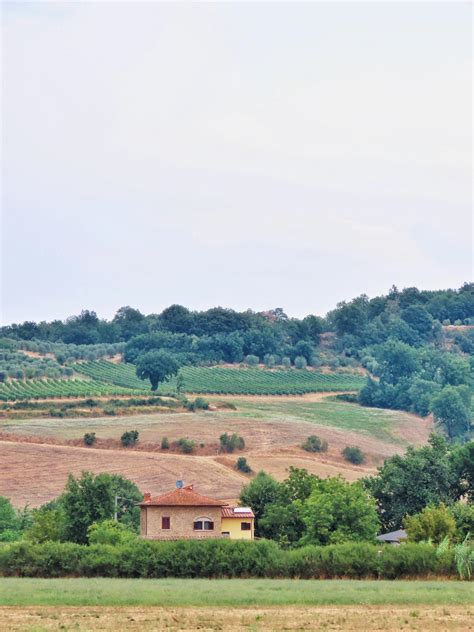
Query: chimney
146,497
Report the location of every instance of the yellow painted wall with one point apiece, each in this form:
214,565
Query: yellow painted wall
232,525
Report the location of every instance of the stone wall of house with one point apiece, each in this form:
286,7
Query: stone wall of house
181,522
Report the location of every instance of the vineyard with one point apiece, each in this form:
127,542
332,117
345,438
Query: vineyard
51,388
103,378
233,381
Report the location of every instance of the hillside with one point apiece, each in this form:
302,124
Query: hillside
273,428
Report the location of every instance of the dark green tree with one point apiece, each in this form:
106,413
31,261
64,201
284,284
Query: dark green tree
260,492
451,412
406,484
156,366
90,499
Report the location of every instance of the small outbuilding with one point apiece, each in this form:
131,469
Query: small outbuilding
394,537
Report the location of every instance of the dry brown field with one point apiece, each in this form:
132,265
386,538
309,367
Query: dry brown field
38,454
257,619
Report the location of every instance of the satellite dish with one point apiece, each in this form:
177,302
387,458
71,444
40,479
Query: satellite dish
179,484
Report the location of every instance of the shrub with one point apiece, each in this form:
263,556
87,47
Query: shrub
199,404
133,557
353,455
187,445
129,438
252,360
229,443
315,444
89,438
432,523
165,444
301,362
242,465
286,362
269,360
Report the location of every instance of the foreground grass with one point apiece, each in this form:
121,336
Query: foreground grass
230,592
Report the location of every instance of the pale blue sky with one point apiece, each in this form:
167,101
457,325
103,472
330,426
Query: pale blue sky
244,155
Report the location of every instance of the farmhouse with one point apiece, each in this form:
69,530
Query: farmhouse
185,514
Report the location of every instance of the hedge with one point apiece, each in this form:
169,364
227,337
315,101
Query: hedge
221,558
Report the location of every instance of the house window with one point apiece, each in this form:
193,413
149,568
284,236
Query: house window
165,522
203,524
245,526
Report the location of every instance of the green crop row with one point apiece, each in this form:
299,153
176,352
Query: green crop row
225,380
52,388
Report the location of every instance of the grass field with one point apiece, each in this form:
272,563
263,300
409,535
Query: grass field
229,592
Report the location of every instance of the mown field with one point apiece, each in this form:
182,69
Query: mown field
365,618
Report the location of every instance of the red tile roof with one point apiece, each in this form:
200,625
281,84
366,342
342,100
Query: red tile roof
229,512
184,497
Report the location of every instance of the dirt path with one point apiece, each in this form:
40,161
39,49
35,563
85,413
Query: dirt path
257,619
307,397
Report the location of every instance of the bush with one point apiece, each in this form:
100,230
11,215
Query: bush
286,362
133,557
187,445
199,404
315,444
90,438
301,362
269,360
129,438
229,443
432,523
353,455
165,444
252,360
242,465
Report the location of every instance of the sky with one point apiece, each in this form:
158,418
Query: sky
248,155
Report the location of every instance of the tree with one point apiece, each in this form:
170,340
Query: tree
419,319
48,525
8,519
463,465
86,500
396,360
90,499
432,523
260,492
451,412
156,366
338,511
406,484
177,319
463,514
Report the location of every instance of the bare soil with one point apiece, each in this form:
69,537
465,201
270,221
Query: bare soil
358,618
